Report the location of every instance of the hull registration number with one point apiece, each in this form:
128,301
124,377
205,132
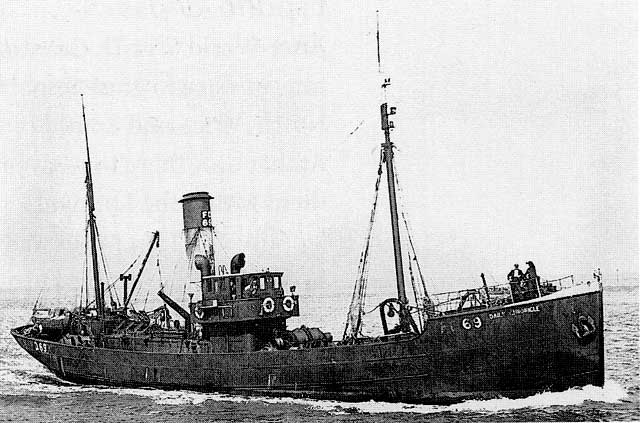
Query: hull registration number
41,347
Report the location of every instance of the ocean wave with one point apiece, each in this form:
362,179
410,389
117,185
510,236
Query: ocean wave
19,382
612,392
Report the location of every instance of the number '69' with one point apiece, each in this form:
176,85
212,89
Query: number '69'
476,322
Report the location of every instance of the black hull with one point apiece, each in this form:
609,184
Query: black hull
509,351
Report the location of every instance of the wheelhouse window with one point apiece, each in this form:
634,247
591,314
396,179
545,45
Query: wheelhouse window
244,287
263,285
232,287
209,285
276,282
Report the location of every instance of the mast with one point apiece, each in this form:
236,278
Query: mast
387,149
98,287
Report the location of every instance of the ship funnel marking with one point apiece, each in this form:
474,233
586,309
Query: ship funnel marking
196,210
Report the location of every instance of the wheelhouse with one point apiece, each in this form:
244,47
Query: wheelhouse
240,286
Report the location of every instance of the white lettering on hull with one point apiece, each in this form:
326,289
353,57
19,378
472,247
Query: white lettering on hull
41,347
514,312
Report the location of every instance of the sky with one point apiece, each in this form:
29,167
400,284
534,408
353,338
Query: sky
516,135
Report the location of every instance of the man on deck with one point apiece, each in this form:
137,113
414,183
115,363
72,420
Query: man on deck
531,281
531,271
515,274
515,277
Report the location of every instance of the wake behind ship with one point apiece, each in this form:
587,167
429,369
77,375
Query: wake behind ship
511,340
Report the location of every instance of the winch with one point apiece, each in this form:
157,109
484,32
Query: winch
303,337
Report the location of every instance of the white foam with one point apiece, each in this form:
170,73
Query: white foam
14,383
612,392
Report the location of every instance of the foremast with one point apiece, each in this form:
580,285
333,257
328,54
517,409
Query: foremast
97,286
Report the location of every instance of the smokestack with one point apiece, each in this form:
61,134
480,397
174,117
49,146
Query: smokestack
196,214
196,210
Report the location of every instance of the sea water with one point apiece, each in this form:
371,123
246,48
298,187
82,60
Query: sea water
30,393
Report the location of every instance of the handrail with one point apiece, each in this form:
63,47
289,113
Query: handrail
447,302
233,275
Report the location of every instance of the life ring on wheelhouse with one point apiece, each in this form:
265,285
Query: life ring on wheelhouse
585,328
199,312
288,303
268,305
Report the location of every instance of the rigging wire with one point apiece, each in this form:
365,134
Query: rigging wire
215,236
115,281
354,316
35,305
405,219
416,294
145,302
189,246
86,260
104,267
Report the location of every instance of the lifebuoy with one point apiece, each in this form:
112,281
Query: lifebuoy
288,303
199,312
268,305
584,328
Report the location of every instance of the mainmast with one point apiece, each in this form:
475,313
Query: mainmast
98,287
387,149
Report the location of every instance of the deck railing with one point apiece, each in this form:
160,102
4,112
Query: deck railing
494,295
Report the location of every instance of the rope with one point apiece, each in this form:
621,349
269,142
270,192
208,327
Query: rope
86,261
110,286
145,301
425,295
191,244
104,267
189,250
354,322
416,295
372,310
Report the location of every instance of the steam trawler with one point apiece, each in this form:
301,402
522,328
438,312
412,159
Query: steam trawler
233,338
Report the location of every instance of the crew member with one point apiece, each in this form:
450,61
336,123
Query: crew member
252,289
515,277
531,271
515,274
597,275
531,281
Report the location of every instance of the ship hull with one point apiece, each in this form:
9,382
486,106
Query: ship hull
509,351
